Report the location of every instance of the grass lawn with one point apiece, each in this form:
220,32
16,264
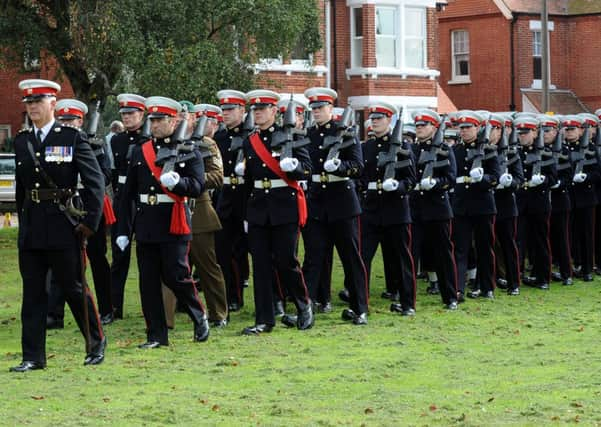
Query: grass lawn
527,360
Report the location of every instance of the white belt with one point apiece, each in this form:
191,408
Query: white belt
463,179
79,186
155,199
328,178
270,183
237,180
374,185
121,179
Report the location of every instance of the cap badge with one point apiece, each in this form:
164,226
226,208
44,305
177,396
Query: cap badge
257,100
463,119
226,100
155,109
67,110
29,91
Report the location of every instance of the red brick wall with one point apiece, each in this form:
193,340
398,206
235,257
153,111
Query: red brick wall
293,83
583,55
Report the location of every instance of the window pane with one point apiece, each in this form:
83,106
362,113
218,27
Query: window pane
537,43
462,65
357,52
414,53
358,21
414,22
386,52
537,70
385,21
460,42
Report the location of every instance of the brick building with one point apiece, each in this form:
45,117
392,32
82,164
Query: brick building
384,49
490,54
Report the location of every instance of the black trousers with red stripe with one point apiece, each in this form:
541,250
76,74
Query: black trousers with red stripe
165,263
582,237
434,238
232,255
395,241
533,233
66,267
506,232
480,229
274,246
560,242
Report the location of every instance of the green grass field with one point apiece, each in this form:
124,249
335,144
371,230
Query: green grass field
527,360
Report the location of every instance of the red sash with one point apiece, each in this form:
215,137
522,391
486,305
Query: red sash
107,210
179,224
274,165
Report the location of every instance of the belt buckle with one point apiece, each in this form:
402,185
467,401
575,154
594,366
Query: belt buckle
35,195
379,185
153,200
323,178
234,180
267,184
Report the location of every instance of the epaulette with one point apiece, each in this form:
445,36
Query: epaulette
25,130
66,126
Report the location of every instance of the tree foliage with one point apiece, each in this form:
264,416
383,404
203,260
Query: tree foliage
177,48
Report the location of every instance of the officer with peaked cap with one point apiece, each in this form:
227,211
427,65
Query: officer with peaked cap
598,210
435,176
49,157
474,203
534,201
163,225
587,174
334,206
275,209
131,109
231,242
386,220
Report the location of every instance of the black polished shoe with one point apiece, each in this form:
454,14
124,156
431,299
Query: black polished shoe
344,295
96,356
348,314
278,308
513,292
118,313
567,281
543,286
107,319
476,293
149,344
588,277
387,295
201,330
257,329
556,276
460,297
452,305
502,283
529,281
395,307
408,312
324,308
577,271
490,295
234,306
289,320
26,366
305,318
219,324
54,323
360,319
244,283
432,289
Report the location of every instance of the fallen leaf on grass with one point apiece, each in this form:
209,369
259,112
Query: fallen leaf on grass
203,401
369,411
491,399
106,399
433,408
215,408
516,332
580,329
37,397
576,405
555,418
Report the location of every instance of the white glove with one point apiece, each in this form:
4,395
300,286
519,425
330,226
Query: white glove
427,184
553,187
245,225
579,177
122,242
331,165
170,179
505,180
288,164
536,180
390,184
476,174
303,184
240,168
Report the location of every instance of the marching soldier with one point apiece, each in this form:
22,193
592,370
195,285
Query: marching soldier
131,109
48,159
386,219
598,209
231,241
474,204
162,224
436,172
534,202
275,209
334,206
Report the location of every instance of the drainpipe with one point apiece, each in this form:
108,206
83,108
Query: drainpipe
334,62
512,61
328,44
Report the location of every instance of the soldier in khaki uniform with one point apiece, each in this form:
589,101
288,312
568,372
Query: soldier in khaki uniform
205,223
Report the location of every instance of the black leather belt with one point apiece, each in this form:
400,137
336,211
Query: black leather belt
43,194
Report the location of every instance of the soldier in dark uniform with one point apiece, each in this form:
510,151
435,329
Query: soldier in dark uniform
511,178
534,203
386,219
560,201
275,209
231,241
474,205
597,259
435,176
131,108
587,174
334,207
162,225
71,112
49,158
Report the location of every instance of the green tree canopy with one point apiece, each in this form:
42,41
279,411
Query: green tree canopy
178,48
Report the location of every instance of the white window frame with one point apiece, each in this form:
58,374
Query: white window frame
6,128
536,27
395,36
356,61
455,78
424,38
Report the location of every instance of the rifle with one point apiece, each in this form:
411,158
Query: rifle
286,139
535,156
345,135
199,140
477,154
429,157
580,156
388,159
178,151
248,127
